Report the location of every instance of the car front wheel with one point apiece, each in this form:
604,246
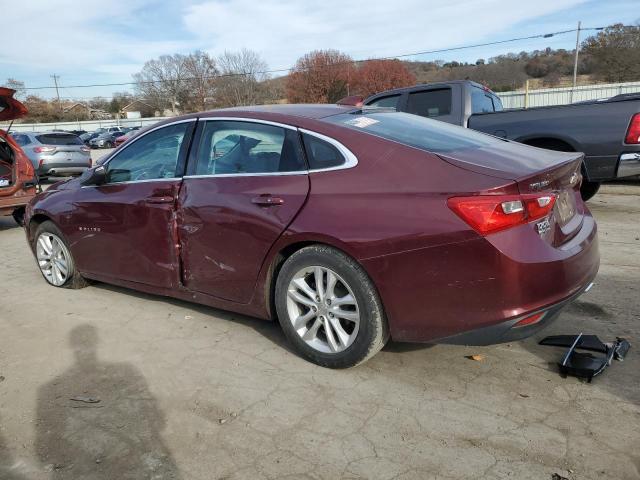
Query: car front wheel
54,258
328,308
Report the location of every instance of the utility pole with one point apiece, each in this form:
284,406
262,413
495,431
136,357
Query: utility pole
55,81
575,61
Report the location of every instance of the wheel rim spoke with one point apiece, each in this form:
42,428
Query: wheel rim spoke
331,284
301,299
313,331
347,315
319,277
343,337
304,287
302,320
346,300
331,340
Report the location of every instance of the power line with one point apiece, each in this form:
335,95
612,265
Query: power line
282,70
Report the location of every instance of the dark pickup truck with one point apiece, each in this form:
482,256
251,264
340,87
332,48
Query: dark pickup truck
607,131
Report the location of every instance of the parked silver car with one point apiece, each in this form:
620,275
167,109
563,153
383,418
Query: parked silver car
54,153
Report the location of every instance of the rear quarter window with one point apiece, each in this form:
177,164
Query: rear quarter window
321,154
21,139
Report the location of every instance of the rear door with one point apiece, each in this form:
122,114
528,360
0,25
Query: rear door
247,181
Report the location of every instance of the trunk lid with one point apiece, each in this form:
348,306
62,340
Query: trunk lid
535,171
10,108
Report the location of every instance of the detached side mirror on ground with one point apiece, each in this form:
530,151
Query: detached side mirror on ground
95,176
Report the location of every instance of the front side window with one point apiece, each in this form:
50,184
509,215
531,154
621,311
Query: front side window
385,102
430,103
152,156
237,147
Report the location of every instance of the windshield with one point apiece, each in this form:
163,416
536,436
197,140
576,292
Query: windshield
415,131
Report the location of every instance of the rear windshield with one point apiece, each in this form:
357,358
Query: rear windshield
59,139
415,131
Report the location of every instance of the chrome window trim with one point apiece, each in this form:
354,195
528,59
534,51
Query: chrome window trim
134,140
250,120
350,159
172,179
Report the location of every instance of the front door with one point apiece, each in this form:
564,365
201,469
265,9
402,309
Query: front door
248,182
125,228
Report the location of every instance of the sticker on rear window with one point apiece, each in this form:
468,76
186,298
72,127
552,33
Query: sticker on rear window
362,122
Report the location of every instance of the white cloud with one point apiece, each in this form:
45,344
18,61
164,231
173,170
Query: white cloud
284,30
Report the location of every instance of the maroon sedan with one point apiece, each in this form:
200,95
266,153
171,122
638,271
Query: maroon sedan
348,225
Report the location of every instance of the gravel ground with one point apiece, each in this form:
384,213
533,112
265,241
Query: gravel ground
109,383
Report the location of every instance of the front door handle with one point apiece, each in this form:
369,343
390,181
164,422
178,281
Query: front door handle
267,200
157,200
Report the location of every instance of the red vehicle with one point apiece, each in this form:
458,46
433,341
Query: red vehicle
124,138
349,226
18,181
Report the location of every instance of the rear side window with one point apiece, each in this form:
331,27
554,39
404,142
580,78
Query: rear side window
59,139
321,154
415,131
481,101
386,102
234,147
430,103
21,139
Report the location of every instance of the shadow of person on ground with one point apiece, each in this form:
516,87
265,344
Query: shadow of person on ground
98,420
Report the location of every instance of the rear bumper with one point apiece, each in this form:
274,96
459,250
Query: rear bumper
509,331
62,170
629,165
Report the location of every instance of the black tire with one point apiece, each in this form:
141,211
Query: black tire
108,145
372,332
73,279
18,215
588,189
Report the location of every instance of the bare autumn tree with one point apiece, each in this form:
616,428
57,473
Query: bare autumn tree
615,52
201,70
241,76
321,76
18,86
375,76
163,82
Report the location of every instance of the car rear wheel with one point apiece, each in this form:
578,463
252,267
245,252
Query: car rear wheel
328,308
54,258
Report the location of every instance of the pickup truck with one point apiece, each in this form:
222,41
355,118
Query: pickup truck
606,131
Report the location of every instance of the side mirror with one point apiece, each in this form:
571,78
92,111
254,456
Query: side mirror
96,176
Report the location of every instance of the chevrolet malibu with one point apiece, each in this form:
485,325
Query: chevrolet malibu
348,225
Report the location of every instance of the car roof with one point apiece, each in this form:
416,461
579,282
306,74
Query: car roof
422,86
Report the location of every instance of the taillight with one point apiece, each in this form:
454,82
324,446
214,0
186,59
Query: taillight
491,213
633,133
44,149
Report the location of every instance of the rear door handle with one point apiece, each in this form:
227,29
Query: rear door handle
157,200
267,200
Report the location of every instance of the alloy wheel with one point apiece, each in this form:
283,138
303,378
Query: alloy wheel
53,258
323,310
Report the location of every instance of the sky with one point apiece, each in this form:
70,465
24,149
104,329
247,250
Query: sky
98,41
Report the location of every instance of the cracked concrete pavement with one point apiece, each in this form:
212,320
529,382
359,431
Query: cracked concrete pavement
192,392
